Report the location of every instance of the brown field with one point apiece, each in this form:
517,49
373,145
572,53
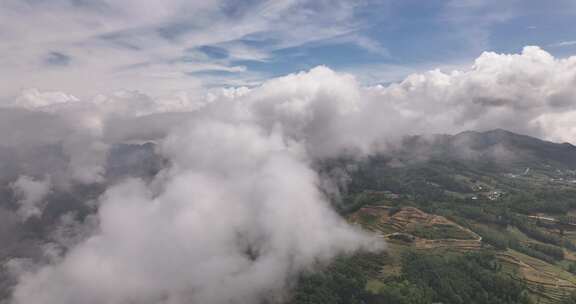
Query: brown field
548,283
410,221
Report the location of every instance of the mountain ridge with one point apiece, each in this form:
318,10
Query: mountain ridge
498,146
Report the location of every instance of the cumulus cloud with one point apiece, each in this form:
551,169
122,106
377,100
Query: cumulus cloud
231,221
237,211
526,93
531,92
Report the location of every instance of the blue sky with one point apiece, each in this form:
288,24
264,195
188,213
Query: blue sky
90,46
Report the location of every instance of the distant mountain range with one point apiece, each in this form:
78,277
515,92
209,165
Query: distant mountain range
498,147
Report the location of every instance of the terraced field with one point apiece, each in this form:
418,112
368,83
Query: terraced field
402,227
547,282
416,228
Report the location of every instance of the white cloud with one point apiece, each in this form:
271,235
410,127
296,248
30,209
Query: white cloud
33,99
31,193
385,74
236,216
500,91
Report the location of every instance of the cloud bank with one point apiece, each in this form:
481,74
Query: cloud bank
237,211
236,215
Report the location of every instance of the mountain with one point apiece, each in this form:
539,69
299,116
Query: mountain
500,148
476,217
442,166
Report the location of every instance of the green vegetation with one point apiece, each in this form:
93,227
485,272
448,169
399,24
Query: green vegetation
470,278
549,250
344,281
473,278
522,206
570,300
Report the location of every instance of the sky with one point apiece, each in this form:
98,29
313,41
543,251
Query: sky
87,47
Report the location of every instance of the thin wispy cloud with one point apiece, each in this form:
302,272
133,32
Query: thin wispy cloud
156,40
564,43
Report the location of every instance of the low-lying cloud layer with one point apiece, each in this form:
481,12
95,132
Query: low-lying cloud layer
236,215
237,211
